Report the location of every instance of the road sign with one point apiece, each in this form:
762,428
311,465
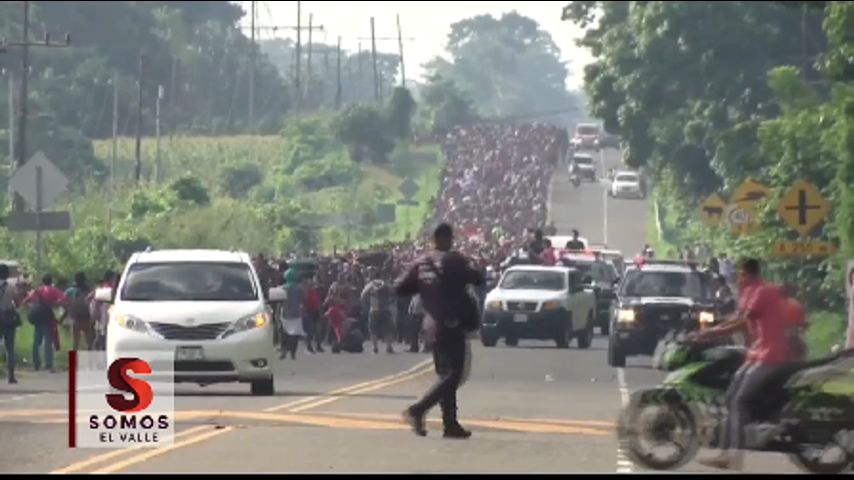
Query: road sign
386,213
53,182
313,220
29,222
803,248
741,219
408,188
749,192
803,207
712,210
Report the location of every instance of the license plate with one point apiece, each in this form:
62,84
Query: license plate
519,318
189,353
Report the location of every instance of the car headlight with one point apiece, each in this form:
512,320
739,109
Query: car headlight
551,305
626,315
131,323
493,305
257,320
707,317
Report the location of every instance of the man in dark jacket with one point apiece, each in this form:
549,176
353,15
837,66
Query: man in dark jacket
440,277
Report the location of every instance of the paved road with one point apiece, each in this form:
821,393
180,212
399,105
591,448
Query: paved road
533,408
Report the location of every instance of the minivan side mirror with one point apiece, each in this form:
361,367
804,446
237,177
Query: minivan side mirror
104,295
276,295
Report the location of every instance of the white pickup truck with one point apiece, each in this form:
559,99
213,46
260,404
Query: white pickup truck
542,303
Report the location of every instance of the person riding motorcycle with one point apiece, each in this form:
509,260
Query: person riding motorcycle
760,312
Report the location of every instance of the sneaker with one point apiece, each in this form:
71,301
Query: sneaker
415,421
457,431
13,380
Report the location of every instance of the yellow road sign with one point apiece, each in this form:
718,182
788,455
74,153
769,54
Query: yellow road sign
803,207
741,219
749,192
803,248
712,210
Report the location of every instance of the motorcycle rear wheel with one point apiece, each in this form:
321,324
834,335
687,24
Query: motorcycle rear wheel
806,462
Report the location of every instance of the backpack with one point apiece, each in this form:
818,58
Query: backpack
79,309
41,312
8,316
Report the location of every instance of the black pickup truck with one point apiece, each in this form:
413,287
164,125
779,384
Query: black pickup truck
653,299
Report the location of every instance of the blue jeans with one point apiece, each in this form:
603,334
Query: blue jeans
43,334
8,334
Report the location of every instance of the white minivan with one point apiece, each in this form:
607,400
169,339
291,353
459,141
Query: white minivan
206,305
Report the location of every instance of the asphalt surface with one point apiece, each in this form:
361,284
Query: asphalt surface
532,408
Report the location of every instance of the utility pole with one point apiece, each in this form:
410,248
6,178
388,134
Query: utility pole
308,78
11,129
113,156
338,78
172,94
298,63
377,92
400,46
806,60
21,148
157,135
252,77
138,170
399,39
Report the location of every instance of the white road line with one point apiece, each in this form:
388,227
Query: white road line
18,398
624,465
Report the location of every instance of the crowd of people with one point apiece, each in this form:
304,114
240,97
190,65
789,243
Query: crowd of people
494,191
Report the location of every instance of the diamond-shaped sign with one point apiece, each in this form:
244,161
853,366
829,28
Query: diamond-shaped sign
749,192
712,210
803,207
408,188
23,182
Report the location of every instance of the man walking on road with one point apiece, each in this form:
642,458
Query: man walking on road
440,277
378,296
43,300
9,319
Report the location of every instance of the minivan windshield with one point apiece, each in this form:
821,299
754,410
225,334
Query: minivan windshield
185,282
583,160
627,177
587,130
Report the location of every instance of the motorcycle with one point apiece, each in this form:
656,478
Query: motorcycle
806,408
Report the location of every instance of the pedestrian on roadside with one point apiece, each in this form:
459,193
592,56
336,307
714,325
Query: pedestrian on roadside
9,320
441,277
101,311
379,296
312,316
43,300
290,315
78,296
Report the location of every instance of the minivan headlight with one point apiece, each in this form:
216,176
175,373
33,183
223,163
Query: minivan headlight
131,323
256,320
551,305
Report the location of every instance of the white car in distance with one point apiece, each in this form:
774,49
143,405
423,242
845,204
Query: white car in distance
208,306
626,184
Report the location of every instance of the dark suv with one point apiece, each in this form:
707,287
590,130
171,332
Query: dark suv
653,299
604,278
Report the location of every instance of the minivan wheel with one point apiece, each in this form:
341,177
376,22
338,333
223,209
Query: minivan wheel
263,387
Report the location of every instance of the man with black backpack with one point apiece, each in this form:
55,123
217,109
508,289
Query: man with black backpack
9,319
43,300
441,278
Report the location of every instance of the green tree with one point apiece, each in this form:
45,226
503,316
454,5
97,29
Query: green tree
238,180
401,109
363,129
509,66
445,105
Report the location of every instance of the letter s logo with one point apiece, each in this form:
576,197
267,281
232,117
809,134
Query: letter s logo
120,380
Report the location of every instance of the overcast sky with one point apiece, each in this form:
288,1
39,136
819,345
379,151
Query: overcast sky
427,22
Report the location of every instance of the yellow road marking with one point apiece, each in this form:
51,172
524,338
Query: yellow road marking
115,453
294,406
309,400
160,451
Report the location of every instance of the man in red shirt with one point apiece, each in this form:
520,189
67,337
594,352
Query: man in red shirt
761,312
44,299
548,257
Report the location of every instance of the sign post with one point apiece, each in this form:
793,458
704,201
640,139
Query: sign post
408,189
39,183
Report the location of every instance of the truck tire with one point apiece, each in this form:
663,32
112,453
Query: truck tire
488,339
616,355
511,341
263,387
